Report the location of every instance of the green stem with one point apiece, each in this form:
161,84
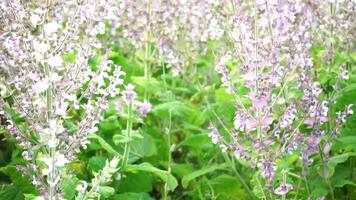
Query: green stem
168,132
297,193
52,150
147,49
128,135
260,186
326,179
307,185
233,167
258,118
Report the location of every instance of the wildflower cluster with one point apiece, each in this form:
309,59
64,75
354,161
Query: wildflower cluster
277,75
99,181
272,40
178,29
45,51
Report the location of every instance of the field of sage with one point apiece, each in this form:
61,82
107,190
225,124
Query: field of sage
177,99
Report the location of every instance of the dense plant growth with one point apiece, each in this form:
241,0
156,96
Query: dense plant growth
188,99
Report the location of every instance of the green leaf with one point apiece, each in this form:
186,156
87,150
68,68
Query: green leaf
11,192
333,161
197,141
319,192
122,139
222,96
182,169
341,176
349,140
346,96
106,191
228,186
140,181
127,65
109,125
162,174
22,182
133,196
175,107
96,163
151,86
186,179
32,197
145,147
68,187
104,144
70,57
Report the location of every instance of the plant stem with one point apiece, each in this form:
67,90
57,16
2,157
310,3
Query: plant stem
306,185
260,186
168,132
326,179
52,150
258,118
297,193
128,135
233,167
147,48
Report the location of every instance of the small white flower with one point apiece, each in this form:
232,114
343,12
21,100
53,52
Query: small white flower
223,147
82,186
40,47
2,90
35,181
50,28
61,109
61,160
40,86
55,61
34,20
349,110
26,155
52,142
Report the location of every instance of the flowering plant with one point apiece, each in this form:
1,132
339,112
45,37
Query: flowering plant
159,99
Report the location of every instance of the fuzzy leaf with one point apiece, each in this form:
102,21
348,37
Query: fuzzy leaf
133,196
186,179
162,174
104,144
22,182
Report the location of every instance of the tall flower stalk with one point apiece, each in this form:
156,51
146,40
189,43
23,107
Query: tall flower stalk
270,57
128,135
45,50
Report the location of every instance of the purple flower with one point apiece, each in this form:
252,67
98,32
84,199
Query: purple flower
283,189
305,153
268,168
129,94
144,108
214,134
13,131
118,106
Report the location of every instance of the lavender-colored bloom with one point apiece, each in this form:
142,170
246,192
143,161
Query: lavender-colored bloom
349,110
214,134
268,168
129,94
305,153
21,169
283,189
144,108
44,86
344,74
118,106
223,147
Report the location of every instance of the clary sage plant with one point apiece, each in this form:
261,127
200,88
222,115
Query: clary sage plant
77,79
